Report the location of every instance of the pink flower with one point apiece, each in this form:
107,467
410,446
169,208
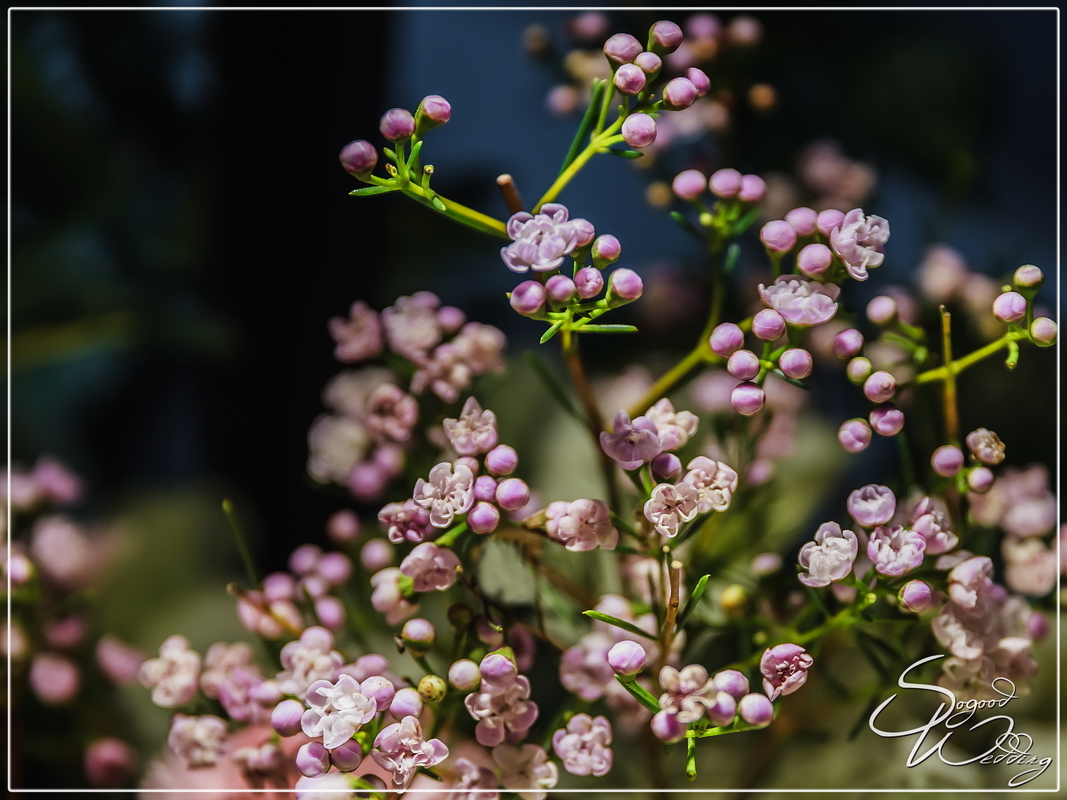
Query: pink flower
431,568
411,325
63,552
503,712
405,521
448,492
584,669
470,776
230,676
525,770
336,710
1019,501
714,481
445,372
387,598
55,679
358,337
800,301
391,413
474,432
581,525
970,581
674,427
784,668
632,444
584,745
895,549
1030,566
830,557
309,659
539,242
173,676
859,242
199,741
985,446
337,445
930,520
480,346
401,749
670,506
119,661
686,694
872,505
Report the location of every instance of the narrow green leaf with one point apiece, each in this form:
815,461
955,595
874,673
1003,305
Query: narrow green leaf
239,538
428,773
415,150
608,329
732,252
438,203
619,623
625,153
582,135
742,224
694,598
554,388
641,694
552,331
688,226
787,379
369,190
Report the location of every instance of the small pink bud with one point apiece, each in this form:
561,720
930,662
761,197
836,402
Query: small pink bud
980,480
376,554
887,419
752,190
664,37
814,259
699,79
880,386
858,369
622,48
882,310
406,703
847,343
854,435
560,289
528,298
512,494
348,756
312,759
689,185
723,711
464,675
726,339
916,597
1043,332
624,286
606,250
586,231
802,220
1009,307
285,718
747,398
470,462
397,125
335,568
343,526
743,365
649,63
756,709
501,460
778,236
666,466
498,669
1029,277
626,658
828,220
433,111
731,681
667,728
483,518
588,282
330,611
725,183
639,130
418,635
768,325
359,157
947,460
379,689
679,93
796,363
630,79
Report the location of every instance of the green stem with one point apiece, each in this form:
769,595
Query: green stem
958,366
952,416
698,355
242,543
598,144
450,536
457,211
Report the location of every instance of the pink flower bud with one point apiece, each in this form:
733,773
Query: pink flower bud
1043,332
483,518
397,125
649,63
664,37
512,494
752,190
699,79
778,236
343,526
330,611
560,289
348,756
470,462
828,220
335,568
528,298
725,183
854,435
1029,277
666,466
847,343
464,675
627,658
796,363
434,110
882,310
379,689
689,185
501,460
1037,626
814,259
367,481
887,419
731,681
768,325
756,709
622,48
639,130
947,460
588,282
606,250
285,718
802,220
624,286
743,365
679,93
747,398
376,554
1009,307
498,670
359,157
726,339
109,763
667,728
418,635
916,597
858,370
312,759
586,231
980,480
406,703
880,386
723,711
54,679
279,586
630,79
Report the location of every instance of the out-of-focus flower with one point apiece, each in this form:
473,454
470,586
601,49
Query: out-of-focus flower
1019,501
199,741
431,568
474,432
54,679
584,745
1030,566
173,677
359,336
411,325
525,770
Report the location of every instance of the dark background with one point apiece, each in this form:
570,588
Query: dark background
181,230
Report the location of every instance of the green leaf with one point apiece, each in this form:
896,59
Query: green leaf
625,153
619,623
415,150
688,226
694,598
369,190
642,695
787,379
582,135
554,388
608,329
742,224
439,204
552,331
732,252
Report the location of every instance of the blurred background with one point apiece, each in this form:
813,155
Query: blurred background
180,230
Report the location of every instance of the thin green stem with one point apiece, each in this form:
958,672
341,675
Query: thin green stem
952,416
457,211
242,543
598,143
698,355
940,373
